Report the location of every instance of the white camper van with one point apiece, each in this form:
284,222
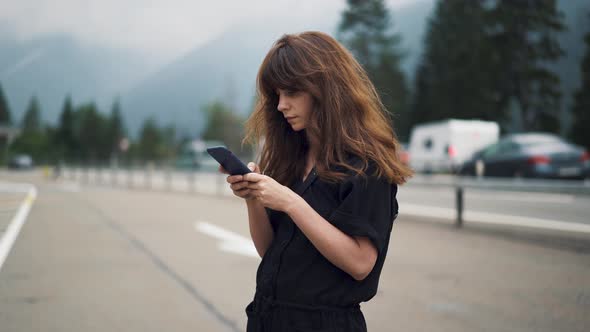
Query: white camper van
443,146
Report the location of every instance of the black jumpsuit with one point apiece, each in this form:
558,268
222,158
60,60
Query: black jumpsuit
298,289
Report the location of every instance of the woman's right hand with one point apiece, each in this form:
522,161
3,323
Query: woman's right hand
237,183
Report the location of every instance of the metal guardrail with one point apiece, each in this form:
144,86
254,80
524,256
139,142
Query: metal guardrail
150,178
577,187
214,183
462,183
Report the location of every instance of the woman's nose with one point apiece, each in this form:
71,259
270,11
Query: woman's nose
282,106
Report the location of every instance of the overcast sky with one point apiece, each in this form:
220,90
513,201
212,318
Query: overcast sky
164,28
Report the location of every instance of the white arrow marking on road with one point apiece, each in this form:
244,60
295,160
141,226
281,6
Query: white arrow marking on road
230,241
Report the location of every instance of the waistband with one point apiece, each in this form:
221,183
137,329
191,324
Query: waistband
262,304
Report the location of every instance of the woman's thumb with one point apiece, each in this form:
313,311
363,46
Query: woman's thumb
253,167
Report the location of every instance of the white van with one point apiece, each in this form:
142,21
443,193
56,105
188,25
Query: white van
444,145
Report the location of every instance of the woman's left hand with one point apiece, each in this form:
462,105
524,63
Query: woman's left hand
270,193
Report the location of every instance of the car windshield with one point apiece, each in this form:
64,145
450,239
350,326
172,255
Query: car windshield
532,140
552,147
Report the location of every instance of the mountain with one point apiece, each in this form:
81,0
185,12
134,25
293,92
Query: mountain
222,69
225,68
54,66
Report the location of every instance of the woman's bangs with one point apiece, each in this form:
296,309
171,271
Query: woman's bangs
279,73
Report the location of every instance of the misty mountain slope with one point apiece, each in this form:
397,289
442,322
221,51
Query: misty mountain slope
222,70
225,69
52,67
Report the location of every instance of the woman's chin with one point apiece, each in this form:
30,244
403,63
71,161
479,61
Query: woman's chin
296,128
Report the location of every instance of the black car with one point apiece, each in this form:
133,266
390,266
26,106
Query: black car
535,155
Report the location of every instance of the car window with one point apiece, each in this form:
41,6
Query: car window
533,140
507,147
427,143
491,150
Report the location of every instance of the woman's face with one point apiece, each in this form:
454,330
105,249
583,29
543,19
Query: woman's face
296,107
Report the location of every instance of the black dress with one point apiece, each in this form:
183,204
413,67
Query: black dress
298,289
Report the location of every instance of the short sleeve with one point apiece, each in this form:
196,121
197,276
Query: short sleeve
367,208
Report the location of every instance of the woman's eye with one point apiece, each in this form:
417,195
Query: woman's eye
287,92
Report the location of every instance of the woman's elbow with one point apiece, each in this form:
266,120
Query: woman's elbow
360,276
363,269
366,261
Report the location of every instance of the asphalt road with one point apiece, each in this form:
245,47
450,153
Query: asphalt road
97,258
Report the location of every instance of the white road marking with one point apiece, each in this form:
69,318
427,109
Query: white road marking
493,218
230,241
9,237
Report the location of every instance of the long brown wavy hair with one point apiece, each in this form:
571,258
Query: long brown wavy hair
348,118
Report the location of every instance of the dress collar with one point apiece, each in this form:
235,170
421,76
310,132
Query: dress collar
302,186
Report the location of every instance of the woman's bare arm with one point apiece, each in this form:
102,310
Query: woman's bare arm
260,227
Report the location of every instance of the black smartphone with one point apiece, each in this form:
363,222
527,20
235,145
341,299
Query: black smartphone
228,160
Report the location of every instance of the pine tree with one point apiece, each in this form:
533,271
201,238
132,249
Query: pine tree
150,141
524,36
5,117
5,121
366,30
65,137
32,119
116,127
453,79
580,132
91,133
223,125
33,140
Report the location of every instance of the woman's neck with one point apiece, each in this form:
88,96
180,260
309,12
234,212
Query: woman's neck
313,148
312,154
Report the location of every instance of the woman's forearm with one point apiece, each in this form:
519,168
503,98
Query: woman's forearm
355,256
260,228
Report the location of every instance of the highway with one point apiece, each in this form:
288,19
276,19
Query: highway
96,257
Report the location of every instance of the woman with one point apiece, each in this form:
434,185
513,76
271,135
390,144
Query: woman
321,212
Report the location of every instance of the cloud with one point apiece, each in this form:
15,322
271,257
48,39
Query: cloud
158,27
